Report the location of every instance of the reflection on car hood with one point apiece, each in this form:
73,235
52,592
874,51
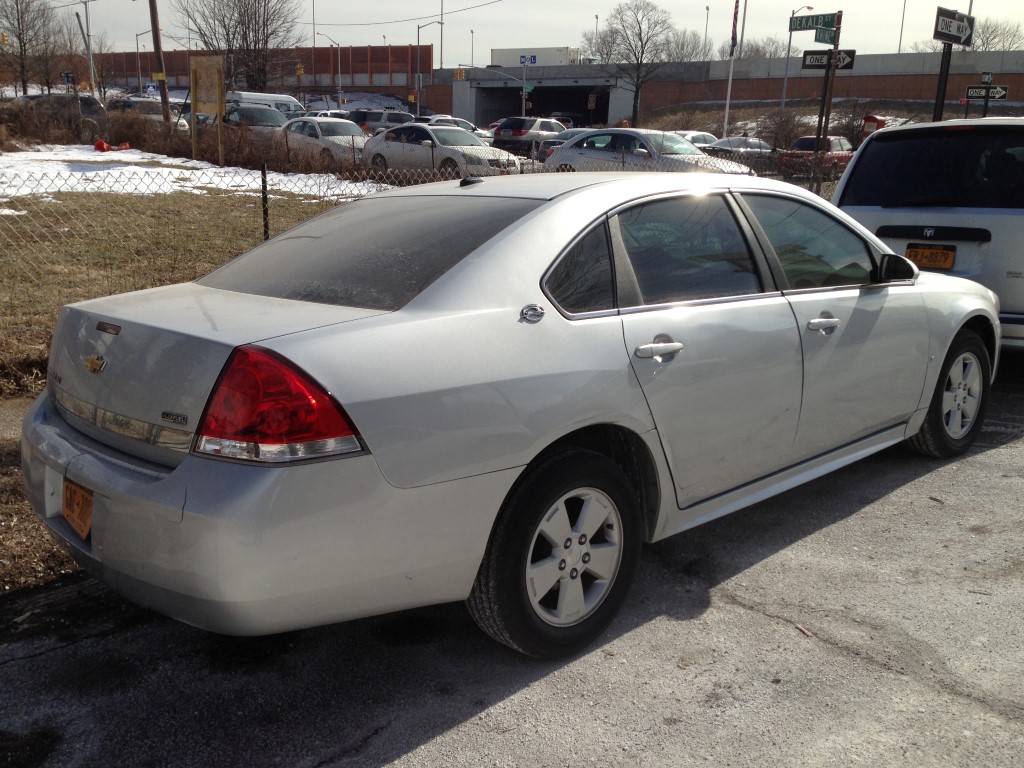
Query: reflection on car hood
707,163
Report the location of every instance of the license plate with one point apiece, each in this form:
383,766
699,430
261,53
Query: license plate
932,256
77,508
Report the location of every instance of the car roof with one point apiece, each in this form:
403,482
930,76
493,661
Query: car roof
981,122
547,186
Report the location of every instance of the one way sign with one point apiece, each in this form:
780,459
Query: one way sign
953,27
994,92
819,59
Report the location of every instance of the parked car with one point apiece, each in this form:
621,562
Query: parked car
634,149
452,152
374,120
803,158
153,109
493,391
699,139
82,115
328,138
547,146
740,147
254,117
522,135
485,135
340,113
950,197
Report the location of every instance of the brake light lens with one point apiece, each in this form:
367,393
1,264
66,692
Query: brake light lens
520,132
265,409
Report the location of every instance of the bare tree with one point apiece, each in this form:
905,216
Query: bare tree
28,23
639,32
687,45
998,35
768,47
252,34
599,46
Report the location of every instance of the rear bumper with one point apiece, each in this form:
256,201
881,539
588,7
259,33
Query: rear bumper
249,550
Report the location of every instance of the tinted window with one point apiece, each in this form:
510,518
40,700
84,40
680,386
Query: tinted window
687,248
978,167
814,249
377,253
581,281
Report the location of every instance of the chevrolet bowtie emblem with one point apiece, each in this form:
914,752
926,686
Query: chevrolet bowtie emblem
95,363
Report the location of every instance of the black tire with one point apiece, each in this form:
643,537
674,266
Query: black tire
89,132
379,163
958,406
529,585
566,168
449,169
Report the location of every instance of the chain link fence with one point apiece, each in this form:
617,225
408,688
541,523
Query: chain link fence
90,230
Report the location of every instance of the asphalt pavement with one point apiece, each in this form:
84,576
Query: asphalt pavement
872,617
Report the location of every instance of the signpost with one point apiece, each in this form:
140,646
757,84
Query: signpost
812,21
984,92
952,28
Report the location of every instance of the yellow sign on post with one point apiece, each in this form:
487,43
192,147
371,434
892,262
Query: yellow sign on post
206,81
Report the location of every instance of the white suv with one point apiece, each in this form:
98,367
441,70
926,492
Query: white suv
950,197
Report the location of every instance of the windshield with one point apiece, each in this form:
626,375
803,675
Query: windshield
250,116
671,144
330,128
456,137
376,252
955,167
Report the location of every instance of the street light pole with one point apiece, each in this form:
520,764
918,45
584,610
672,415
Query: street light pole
789,47
138,57
707,18
336,44
88,39
471,47
419,77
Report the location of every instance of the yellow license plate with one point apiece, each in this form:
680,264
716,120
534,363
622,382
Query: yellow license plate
932,256
77,508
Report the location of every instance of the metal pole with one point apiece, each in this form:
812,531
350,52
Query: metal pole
707,18
418,70
471,47
785,74
165,100
524,89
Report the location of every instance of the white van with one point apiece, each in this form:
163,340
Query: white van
290,106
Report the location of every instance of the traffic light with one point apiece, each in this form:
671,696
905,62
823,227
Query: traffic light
299,70
4,39
460,74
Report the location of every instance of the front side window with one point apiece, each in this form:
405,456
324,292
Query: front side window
814,249
581,280
687,248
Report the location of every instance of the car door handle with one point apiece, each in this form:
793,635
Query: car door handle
822,324
658,349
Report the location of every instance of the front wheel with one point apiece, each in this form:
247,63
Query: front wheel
449,170
561,557
379,163
958,406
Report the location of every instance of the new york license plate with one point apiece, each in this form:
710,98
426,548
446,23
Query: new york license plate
77,508
932,256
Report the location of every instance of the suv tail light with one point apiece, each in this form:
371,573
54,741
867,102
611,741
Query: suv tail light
265,409
520,132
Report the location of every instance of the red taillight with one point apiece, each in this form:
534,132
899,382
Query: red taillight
521,132
263,408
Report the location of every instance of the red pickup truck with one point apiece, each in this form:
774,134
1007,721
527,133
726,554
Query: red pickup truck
799,159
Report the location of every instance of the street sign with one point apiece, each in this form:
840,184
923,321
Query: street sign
953,27
993,92
528,59
825,35
819,59
812,21
68,78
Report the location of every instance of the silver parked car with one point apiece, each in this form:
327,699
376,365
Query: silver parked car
950,197
492,390
328,138
634,149
450,151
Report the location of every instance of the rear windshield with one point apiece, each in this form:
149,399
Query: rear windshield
376,253
958,167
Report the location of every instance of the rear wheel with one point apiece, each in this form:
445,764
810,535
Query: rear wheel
379,163
958,405
566,168
561,556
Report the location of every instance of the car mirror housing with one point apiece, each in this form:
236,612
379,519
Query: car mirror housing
894,268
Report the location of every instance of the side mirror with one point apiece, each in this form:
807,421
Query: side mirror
641,152
895,268
426,143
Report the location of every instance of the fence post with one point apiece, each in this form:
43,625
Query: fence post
266,203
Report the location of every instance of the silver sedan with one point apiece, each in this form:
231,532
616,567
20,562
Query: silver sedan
635,149
491,390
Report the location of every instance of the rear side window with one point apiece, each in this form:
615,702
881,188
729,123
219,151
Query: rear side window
961,167
581,281
377,253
